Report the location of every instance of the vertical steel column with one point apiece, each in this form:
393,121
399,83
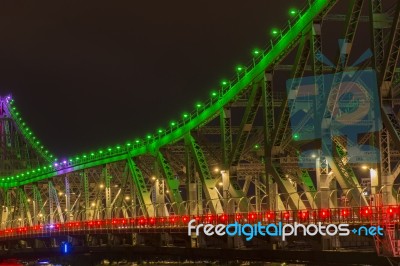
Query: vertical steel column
191,184
133,195
386,85
228,206
377,26
207,179
172,183
51,210
68,210
269,123
53,198
199,199
321,162
160,197
246,124
85,183
246,185
38,204
159,192
21,208
387,68
292,196
6,209
281,135
25,213
226,135
308,185
226,141
386,177
268,105
257,195
107,180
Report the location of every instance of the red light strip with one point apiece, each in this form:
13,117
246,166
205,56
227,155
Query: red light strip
355,215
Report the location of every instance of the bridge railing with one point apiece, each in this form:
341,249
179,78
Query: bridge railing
354,216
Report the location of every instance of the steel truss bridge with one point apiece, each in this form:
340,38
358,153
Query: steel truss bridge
240,155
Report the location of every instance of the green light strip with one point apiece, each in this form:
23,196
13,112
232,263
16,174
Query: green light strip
203,112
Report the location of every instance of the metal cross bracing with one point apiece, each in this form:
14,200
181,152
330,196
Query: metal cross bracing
240,152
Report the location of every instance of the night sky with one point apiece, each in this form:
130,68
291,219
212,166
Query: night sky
87,74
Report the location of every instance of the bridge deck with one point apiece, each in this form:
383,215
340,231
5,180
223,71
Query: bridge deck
356,216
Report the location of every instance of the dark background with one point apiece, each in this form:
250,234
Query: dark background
87,74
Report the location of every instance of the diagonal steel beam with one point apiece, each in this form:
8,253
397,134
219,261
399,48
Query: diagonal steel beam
352,19
293,199
391,56
143,194
208,181
172,183
281,135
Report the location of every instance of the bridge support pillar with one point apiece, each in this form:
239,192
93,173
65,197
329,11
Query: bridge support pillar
137,239
4,218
